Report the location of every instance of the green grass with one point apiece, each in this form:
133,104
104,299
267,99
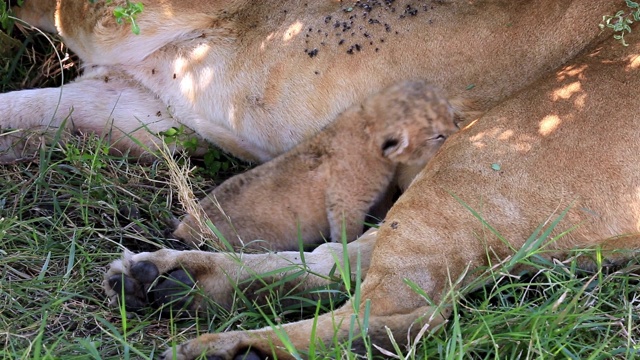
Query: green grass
551,311
66,216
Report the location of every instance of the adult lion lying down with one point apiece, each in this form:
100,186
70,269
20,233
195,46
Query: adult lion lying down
256,78
571,140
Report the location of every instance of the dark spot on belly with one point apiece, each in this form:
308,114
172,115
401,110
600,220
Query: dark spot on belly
410,10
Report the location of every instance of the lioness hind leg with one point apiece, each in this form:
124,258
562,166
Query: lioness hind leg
264,343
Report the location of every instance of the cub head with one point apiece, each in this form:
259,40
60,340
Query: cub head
409,121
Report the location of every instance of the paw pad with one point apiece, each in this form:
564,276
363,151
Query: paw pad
144,287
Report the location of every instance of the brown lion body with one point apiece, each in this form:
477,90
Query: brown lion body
520,165
246,76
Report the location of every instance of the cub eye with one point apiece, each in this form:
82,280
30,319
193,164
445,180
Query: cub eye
388,144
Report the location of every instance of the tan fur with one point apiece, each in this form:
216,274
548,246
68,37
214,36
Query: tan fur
569,141
329,182
244,75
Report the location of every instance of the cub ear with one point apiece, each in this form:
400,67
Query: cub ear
395,144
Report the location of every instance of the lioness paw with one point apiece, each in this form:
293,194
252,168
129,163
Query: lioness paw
213,347
169,355
138,283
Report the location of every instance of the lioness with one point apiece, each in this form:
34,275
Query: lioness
257,77
329,182
568,142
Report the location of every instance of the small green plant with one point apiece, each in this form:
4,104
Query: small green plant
621,21
6,21
213,161
179,136
127,13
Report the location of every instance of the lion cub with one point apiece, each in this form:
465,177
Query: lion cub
329,182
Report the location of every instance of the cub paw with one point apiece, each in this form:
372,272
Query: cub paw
139,285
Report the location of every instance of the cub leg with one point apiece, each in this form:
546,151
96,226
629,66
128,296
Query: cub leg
351,221
118,109
347,205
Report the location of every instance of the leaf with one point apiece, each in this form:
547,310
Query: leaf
170,132
138,8
119,12
495,166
